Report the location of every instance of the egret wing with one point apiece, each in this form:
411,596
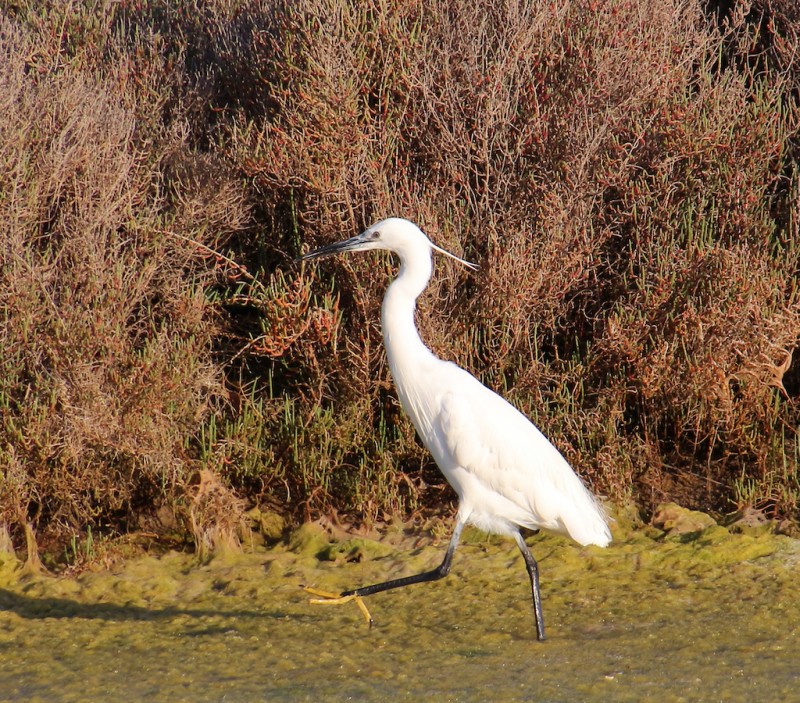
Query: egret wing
497,446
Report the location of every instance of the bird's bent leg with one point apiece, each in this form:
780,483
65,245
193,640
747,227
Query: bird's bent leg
439,572
355,595
533,572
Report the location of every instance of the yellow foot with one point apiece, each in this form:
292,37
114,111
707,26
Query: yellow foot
326,598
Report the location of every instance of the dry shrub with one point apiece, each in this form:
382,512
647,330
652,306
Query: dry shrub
215,515
107,372
623,171
628,193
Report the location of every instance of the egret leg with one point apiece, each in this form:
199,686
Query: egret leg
533,572
439,572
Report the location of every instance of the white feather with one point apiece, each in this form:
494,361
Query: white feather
504,470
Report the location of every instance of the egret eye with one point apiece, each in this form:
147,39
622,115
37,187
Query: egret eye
375,235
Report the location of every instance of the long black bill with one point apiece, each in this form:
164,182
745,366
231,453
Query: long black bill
331,249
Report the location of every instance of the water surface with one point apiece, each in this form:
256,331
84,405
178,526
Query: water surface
708,616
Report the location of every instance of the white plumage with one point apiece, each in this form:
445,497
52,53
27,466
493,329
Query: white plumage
506,473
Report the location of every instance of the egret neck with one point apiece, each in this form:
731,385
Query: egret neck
408,356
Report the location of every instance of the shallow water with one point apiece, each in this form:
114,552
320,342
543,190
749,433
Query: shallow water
708,616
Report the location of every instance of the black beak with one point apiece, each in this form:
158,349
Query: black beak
331,249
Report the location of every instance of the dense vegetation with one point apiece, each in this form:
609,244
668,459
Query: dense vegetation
624,172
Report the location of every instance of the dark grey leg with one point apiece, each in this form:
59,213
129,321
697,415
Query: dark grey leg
439,572
533,572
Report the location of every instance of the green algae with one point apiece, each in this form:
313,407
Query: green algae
658,616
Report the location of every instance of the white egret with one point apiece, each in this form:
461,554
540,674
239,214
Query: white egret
506,473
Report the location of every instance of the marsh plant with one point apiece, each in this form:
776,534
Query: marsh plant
624,172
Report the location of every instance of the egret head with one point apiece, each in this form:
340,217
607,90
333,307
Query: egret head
393,234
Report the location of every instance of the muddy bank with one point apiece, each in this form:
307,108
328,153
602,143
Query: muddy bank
690,612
